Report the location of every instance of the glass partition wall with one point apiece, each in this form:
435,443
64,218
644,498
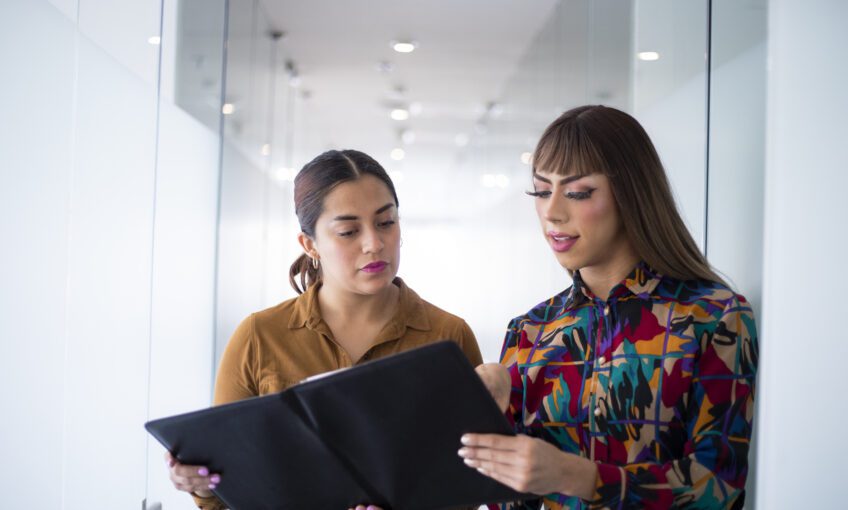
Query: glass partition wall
689,71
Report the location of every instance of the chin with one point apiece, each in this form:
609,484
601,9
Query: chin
374,286
568,262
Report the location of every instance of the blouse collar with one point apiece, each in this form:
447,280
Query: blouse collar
640,282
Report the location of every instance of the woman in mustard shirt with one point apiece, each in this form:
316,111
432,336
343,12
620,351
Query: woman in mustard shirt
634,387
351,305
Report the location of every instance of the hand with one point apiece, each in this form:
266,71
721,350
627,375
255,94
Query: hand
529,465
196,479
497,380
363,507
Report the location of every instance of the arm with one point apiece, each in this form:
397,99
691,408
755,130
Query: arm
466,340
713,471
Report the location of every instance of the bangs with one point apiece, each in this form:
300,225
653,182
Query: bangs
567,150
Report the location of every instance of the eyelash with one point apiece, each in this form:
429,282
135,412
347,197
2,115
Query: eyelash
573,195
383,224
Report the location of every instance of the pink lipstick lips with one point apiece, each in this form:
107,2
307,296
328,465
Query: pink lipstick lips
375,267
562,242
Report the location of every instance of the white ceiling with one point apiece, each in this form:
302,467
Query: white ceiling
467,51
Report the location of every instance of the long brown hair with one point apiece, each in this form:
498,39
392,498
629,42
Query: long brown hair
312,185
600,139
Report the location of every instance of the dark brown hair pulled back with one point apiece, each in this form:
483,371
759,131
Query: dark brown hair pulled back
312,185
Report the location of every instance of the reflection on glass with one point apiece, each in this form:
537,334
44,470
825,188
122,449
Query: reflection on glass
199,59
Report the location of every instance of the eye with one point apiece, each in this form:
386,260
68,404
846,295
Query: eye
384,224
346,233
579,195
539,194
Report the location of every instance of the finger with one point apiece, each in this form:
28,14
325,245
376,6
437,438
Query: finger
199,482
511,470
190,471
510,457
497,441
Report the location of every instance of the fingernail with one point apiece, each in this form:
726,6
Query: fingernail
203,471
466,439
216,479
212,485
371,507
462,452
468,462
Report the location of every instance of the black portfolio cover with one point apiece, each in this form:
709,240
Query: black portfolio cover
385,432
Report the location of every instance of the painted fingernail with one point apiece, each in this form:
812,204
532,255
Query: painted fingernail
212,485
215,479
470,462
203,471
462,452
466,439
371,507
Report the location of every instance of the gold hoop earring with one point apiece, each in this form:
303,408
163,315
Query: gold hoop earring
315,263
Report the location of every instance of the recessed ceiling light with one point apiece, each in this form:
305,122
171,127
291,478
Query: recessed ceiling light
265,150
404,46
228,109
526,157
648,55
398,154
154,40
399,114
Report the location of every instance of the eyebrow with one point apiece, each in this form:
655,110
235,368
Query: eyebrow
352,217
562,182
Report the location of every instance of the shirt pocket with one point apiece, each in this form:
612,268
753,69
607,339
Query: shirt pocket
272,382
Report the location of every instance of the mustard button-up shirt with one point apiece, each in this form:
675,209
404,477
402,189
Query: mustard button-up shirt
276,348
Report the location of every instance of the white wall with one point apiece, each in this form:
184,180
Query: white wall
804,346
107,217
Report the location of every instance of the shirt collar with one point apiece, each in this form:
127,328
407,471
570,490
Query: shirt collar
411,312
640,282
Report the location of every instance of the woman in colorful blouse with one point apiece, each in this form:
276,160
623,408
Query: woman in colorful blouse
633,388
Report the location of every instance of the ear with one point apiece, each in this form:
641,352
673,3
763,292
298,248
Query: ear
308,245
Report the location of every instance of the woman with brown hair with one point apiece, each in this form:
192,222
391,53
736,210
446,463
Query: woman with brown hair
351,306
634,387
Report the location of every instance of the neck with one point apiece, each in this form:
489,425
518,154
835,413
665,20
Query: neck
349,306
601,278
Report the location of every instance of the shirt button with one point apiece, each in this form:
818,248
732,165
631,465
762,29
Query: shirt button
597,411
606,310
602,360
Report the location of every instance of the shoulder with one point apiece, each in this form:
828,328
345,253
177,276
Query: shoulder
280,312
703,296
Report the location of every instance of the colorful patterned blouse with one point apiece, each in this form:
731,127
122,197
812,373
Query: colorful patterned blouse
656,385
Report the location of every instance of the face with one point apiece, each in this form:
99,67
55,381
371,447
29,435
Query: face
357,237
580,220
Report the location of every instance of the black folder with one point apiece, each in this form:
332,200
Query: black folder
385,432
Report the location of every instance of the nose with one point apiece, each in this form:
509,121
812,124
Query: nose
554,209
372,241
